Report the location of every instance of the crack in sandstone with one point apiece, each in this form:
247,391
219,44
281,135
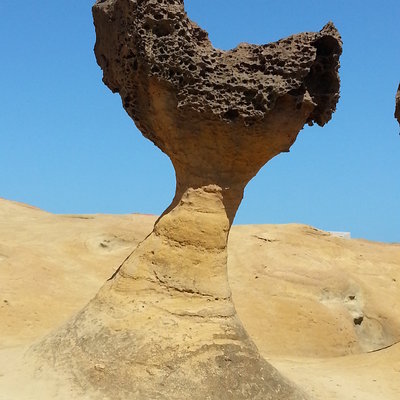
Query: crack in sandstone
186,291
384,348
188,244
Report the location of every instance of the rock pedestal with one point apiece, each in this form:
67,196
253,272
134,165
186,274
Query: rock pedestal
164,326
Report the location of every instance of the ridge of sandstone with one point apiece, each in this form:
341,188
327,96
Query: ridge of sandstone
164,325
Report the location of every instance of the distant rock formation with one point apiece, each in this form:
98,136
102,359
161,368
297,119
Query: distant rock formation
397,111
164,326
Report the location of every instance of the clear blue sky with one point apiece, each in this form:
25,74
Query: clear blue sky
67,146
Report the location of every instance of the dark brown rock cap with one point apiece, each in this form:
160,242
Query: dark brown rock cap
140,39
219,115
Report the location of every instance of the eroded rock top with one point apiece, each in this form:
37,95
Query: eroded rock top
141,39
397,111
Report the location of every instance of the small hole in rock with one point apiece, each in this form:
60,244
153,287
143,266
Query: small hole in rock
231,114
358,320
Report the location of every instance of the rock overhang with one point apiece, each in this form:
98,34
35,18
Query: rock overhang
157,40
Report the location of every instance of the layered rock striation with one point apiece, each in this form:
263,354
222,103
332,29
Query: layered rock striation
164,325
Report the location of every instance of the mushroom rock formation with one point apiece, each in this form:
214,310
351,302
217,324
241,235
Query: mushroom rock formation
164,325
397,111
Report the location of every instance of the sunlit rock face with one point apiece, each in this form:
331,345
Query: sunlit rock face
164,325
397,112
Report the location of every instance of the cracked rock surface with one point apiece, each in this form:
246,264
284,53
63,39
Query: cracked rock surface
164,325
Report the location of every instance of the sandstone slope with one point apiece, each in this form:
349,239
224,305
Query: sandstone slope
320,308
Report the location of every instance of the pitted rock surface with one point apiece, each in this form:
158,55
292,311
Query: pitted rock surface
164,325
137,40
397,112
244,106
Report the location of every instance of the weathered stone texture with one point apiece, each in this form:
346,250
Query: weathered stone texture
164,326
138,40
182,93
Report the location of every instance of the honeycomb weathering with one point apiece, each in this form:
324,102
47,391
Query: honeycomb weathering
164,325
141,40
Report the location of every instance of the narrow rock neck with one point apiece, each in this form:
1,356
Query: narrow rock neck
186,252
204,200
197,230
212,190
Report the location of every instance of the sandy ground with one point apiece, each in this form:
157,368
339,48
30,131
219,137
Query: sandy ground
324,310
